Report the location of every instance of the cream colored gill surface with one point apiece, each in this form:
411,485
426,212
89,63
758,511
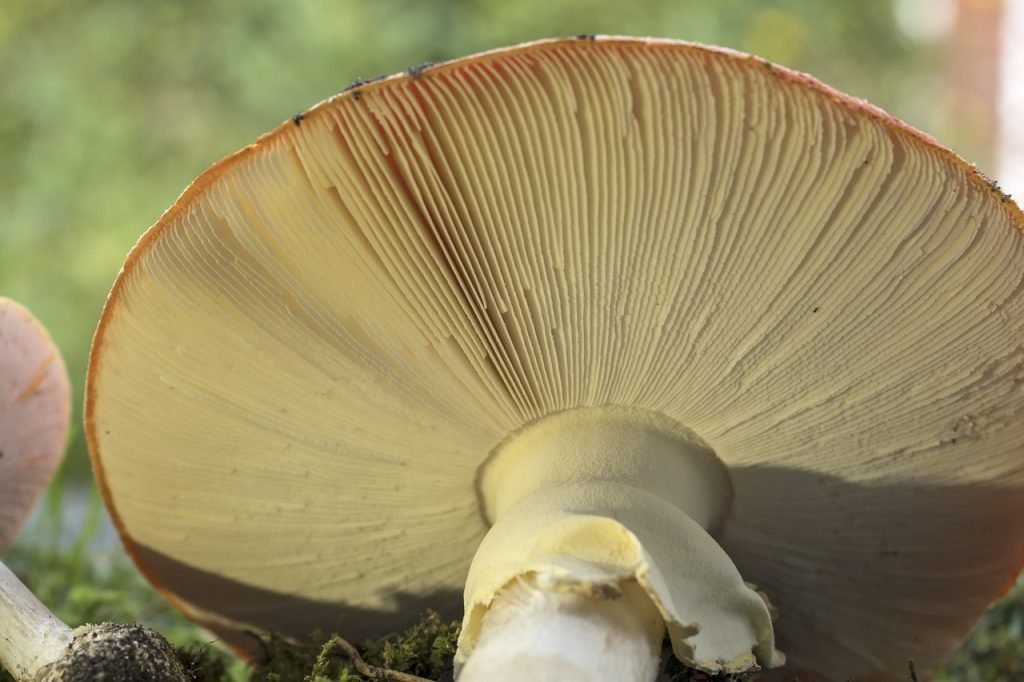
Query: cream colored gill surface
35,411
304,364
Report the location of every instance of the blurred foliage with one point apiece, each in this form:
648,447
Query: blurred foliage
111,107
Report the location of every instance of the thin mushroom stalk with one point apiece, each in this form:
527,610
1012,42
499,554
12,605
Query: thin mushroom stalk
32,636
35,645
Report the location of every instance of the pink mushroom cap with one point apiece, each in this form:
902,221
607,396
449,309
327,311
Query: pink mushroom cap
35,411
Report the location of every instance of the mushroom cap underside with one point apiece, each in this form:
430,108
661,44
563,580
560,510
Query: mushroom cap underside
35,412
305,361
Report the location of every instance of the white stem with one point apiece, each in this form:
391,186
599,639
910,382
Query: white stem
30,636
534,633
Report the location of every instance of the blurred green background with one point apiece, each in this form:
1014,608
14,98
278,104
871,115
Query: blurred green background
109,108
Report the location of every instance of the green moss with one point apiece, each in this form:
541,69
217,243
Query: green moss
425,650
102,588
995,650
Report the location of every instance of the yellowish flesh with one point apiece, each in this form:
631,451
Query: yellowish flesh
715,622
305,363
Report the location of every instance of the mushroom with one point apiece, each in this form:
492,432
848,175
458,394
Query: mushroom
35,410
38,646
35,396
36,406
622,336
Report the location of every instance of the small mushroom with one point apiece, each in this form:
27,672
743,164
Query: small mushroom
35,409
36,645
614,337
34,419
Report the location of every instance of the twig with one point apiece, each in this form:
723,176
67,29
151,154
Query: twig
372,671
913,671
267,652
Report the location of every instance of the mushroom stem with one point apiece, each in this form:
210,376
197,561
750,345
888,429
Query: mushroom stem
533,633
36,645
601,519
31,637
